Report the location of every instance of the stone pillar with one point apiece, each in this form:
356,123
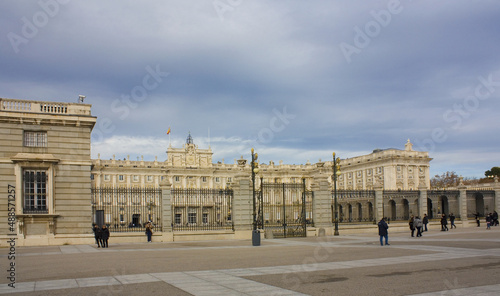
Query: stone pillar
379,203
322,205
496,187
462,204
242,207
166,204
422,200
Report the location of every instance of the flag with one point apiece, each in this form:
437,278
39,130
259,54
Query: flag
168,131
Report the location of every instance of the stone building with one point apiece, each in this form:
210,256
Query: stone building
45,166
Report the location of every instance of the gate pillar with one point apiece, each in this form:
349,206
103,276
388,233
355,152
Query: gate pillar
242,207
422,201
322,203
496,187
462,204
166,208
379,204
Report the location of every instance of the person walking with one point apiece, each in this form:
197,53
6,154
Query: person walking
452,221
383,232
104,236
444,223
149,231
418,224
488,221
476,215
97,235
412,225
425,221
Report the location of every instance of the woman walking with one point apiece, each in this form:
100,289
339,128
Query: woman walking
149,231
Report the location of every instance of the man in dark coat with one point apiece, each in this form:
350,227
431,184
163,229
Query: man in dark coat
444,223
97,235
104,236
425,221
452,221
383,232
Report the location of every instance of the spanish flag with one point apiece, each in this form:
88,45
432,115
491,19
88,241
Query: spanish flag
168,131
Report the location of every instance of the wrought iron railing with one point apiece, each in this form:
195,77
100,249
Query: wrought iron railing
127,209
202,209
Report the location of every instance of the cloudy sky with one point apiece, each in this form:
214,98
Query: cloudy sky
297,80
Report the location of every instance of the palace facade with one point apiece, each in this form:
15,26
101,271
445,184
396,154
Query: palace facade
192,167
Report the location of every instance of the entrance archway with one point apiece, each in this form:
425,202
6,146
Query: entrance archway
429,213
360,212
479,203
392,210
406,209
444,205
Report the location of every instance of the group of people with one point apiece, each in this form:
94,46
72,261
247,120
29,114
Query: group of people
420,225
491,220
101,235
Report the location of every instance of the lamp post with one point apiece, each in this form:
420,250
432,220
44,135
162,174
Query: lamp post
255,170
336,171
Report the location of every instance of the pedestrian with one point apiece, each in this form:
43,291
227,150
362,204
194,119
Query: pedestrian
495,218
452,221
104,236
425,221
488,221
444,223
412,225
149,231
418,224
97,235
383,232
477,219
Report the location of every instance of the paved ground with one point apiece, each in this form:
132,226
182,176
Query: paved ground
458,262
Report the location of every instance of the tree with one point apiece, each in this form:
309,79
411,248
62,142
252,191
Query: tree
495,171
448,179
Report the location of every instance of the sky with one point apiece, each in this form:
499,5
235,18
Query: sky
296,80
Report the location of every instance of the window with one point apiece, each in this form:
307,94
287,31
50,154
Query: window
217,179
92,176
150,178
229,179
35,139
192,216
35,191
136,178
205,218
178,218
121,178
204,179
106,178
177,179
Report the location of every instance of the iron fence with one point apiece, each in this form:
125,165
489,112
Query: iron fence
127,209
202,209
285,209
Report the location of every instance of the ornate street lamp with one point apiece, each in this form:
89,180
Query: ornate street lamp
336,172
255,170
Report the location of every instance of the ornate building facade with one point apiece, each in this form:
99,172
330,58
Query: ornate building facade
192,167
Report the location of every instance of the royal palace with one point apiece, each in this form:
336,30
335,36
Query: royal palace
52,191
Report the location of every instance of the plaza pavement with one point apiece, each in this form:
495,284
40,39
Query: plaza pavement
464,261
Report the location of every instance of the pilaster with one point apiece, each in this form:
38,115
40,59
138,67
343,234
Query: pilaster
322,202
379,203
422,200
242,204
166,197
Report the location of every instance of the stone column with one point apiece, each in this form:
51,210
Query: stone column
379,203
322,205
462,204
242,207
496,187
422,200
166,203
